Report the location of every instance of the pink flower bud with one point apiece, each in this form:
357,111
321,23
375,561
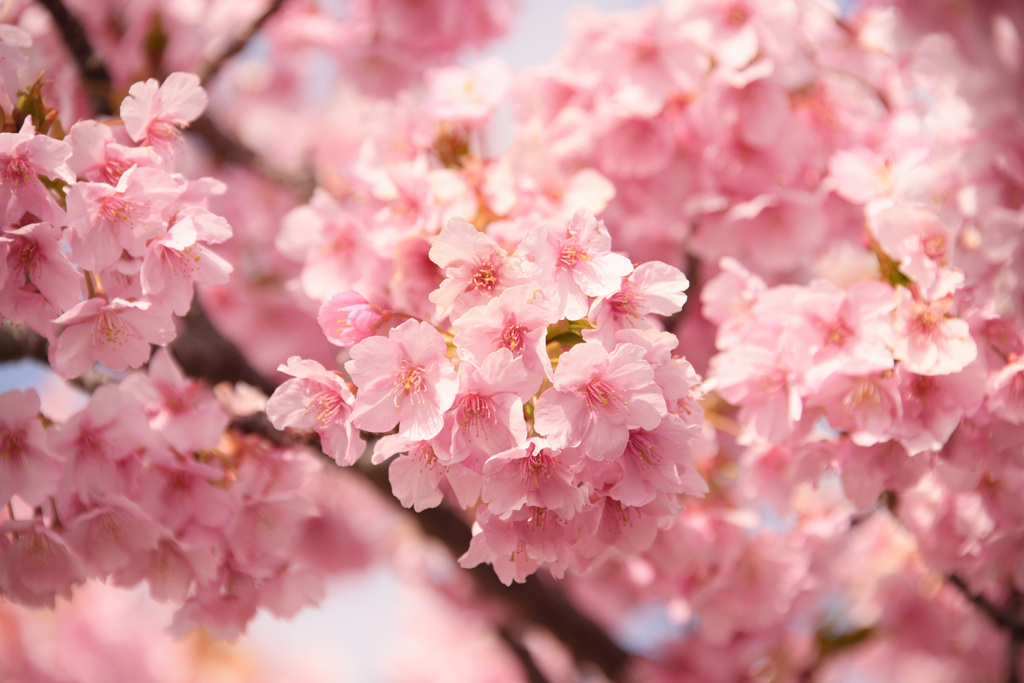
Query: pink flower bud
347,318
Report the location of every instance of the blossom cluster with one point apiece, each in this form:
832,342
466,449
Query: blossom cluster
540,393
843,192
146,483
103,243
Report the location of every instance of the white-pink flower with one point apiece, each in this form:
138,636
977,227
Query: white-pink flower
24,156
347,318
928,340
922,245
467,95
653,288
533,474
517,320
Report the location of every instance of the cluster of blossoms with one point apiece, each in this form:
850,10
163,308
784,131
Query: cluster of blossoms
145,483
102,242
540,393
840,494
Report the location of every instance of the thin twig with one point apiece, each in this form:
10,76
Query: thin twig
533,673
1011,621
95,77
209,69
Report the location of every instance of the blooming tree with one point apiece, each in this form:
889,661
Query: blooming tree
714,374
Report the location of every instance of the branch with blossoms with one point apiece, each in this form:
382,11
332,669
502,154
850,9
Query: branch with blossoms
848,188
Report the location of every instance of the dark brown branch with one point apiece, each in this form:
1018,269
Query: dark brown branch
1008,620
533,673
228,150
95,77
533,600
210,68
203,353
1016,640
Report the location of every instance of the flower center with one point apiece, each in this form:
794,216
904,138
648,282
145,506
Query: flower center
409,382
111,330
536,466
627,302
475,410
645,450
603,396
572,254
513,338
327,405
117,210
485,279
17,173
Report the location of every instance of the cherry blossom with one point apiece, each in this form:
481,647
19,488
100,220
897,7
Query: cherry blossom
597,397
24,156
154,113
403,380
116,333
578,260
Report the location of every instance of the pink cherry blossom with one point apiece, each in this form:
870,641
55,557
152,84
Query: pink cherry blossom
113,535
346,318
96,157
154,113
533,474
928,340
922,245
578,260
416,474
597,397
653,288
24,156
476,269
934,405
657,460
487,415
108,219
28,468
331,242
516,320
33,253
116,333
403,380
183,494
467,95
868,408
100,445
175,263
516,547
38,566
320,400
182,409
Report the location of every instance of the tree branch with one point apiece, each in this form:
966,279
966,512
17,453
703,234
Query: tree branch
210,68
95,77
1008,620
533,673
